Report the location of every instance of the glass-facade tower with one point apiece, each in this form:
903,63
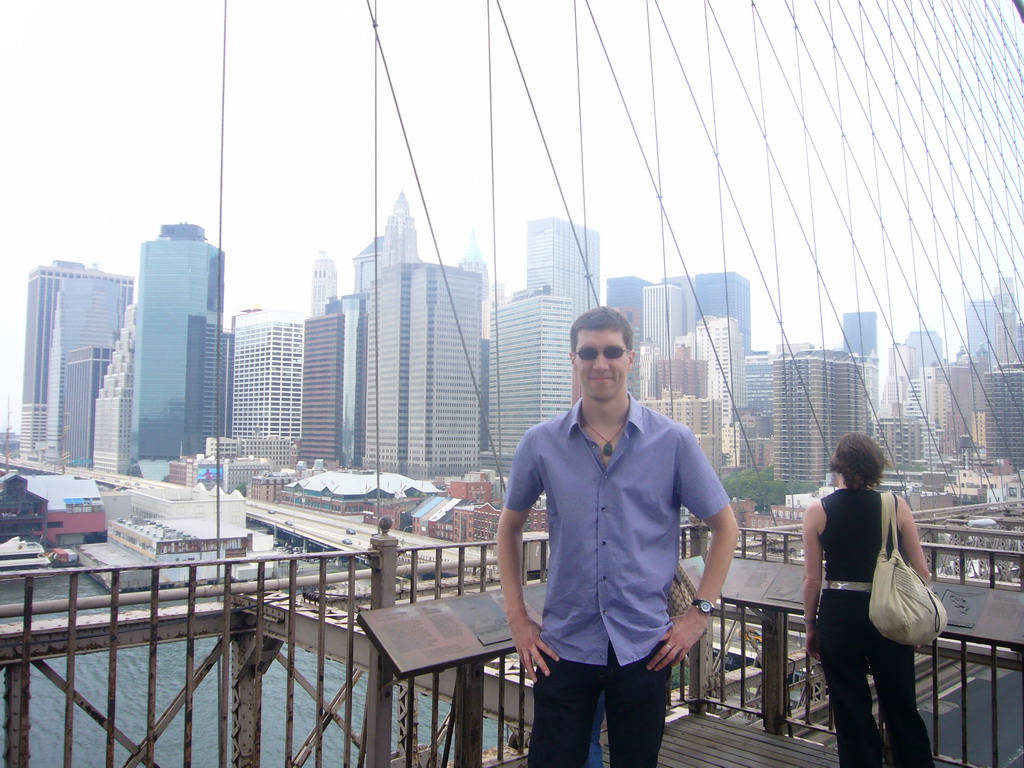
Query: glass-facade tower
45,287
535,372
725,294
566,257
175,404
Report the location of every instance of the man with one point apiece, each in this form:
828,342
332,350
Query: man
616,474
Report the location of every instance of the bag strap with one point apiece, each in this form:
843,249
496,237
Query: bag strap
889,528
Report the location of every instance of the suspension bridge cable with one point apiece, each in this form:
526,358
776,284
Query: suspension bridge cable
376,264
471,368
595,293
583,167
224,678
852,156
493,303
736,208
669,366
730,354
763,126
667,220
906,204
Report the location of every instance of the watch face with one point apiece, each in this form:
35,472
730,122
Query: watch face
704,606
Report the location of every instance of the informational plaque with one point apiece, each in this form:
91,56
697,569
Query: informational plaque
995,615
749,580
788,585
963,605
437,634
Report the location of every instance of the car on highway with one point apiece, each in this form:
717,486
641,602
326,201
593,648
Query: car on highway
271,512
289,522
350,531
346,541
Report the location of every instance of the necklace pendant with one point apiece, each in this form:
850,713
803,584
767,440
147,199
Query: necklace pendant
607,450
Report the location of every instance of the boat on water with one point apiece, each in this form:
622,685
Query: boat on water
18,554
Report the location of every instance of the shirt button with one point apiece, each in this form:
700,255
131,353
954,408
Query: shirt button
603,543
604,578
604,509
605,611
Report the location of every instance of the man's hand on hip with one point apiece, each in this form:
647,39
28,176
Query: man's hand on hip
529,646
679,638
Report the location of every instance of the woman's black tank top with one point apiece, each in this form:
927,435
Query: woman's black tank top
852,535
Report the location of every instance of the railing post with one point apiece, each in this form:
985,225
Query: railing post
16,752
773,675
699,664
380,692
699,658
469,715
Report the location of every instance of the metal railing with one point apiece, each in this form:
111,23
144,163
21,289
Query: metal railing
273,669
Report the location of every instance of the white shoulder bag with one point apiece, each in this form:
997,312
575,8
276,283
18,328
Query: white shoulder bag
903,607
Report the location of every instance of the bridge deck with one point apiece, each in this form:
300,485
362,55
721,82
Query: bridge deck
709,742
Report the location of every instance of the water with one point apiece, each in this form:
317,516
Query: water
48,727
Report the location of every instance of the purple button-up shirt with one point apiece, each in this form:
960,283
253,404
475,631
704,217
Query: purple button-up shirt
614,530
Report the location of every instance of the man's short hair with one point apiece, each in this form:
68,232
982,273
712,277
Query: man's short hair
602,319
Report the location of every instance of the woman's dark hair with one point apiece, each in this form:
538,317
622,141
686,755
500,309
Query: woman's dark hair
859,460
602,319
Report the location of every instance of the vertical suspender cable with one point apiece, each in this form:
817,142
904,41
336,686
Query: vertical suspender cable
496,351
376,276
659,195
596,294
224,679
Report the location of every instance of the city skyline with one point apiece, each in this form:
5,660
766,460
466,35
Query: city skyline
299,170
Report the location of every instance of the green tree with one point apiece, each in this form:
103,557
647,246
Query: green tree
762,487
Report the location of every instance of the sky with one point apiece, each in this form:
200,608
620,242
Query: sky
777,158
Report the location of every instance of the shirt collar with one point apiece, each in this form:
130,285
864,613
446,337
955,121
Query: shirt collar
635,416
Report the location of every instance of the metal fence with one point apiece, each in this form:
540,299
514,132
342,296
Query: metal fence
272,669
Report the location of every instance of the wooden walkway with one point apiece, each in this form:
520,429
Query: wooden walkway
709,742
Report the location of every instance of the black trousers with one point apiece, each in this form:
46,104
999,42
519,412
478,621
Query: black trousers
564,704
851,646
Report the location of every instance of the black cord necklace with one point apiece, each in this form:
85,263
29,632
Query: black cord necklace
608,447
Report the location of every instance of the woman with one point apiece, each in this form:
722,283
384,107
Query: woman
844,528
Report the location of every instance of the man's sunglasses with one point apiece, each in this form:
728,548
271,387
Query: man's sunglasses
591,353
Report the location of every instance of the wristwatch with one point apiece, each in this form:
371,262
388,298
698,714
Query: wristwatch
704,606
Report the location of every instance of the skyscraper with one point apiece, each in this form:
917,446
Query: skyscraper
112,441
719,341
860,330
982,321
1008,311
85,369
818,398
325,284
725,294
566,257
929,347
535,374
363,264
759,367
419,379
267,385
89,313
687,303
44,289
1005,388
334,384
663,318
473,261
176,347
400,236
